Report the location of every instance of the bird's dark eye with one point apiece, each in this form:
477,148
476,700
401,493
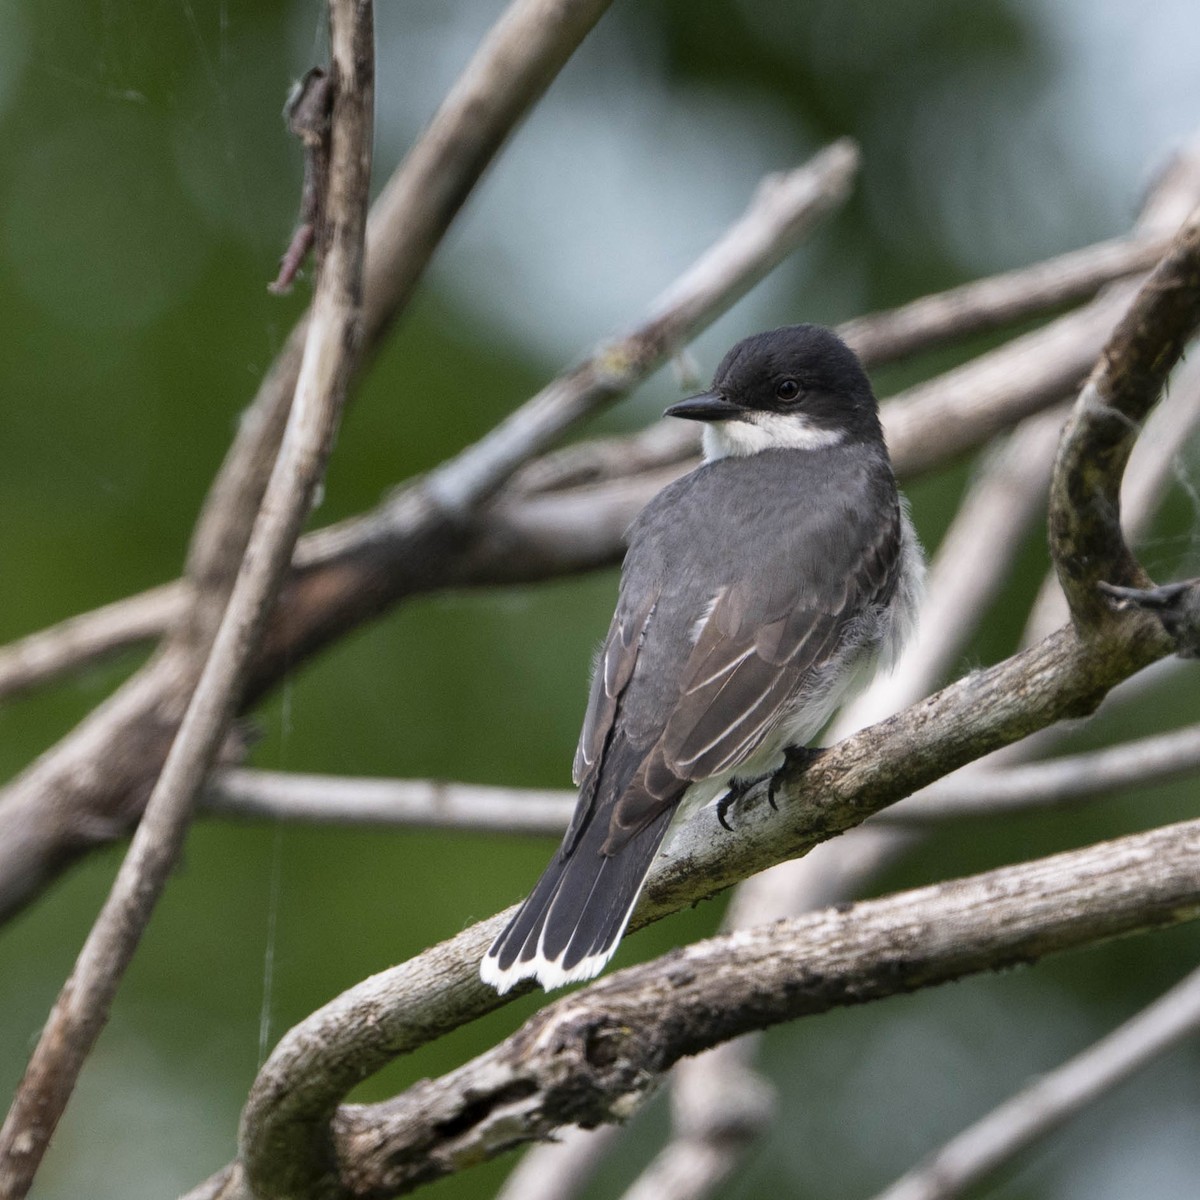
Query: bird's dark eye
787,389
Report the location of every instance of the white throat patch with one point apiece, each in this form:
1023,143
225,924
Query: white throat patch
765,431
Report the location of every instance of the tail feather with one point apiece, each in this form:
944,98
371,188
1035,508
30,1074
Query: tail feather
572,921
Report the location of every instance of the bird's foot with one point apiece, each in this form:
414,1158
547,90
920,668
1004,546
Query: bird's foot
735,794
799,757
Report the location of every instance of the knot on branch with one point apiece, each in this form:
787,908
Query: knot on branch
1175,605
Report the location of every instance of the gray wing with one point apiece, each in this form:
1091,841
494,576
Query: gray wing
664,712
742,675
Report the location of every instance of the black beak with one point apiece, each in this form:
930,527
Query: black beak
708,406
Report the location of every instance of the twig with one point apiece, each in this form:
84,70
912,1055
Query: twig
307,113
594,1056
998,300
436,804
79,642
1176,607
430,804
1037,1111
82,1008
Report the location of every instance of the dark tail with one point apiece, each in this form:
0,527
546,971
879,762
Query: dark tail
571,923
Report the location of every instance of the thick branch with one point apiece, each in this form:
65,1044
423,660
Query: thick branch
81,1010
594,1056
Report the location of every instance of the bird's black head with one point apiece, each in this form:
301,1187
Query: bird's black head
799,387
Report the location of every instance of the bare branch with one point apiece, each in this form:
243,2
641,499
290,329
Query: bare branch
1153,466
437,804
594,1056
81,641
1085,531
1037,1111
431,804
1056,782
970,404
880,338
713,1127
307,112
998,300
81,1010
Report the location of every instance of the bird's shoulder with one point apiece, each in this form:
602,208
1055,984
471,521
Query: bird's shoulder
799,518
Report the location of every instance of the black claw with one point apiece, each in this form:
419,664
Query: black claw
772,788
734,795
722,808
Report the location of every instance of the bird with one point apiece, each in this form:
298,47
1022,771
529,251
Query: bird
758,593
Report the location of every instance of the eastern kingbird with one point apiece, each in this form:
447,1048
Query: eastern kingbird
758,592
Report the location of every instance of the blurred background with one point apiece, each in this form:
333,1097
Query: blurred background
147,189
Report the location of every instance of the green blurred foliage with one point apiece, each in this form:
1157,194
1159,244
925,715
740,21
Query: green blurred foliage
146,191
